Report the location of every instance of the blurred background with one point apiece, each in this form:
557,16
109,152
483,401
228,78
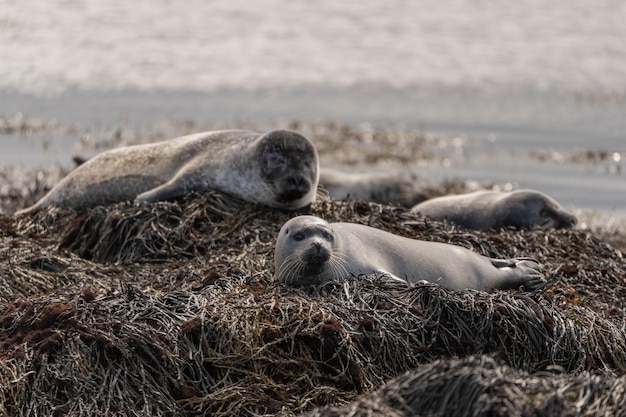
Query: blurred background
527,93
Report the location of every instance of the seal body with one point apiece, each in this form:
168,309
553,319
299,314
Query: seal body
310,251
483,210
278,169
378,187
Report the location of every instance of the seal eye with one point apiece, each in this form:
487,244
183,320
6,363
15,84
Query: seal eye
298,237
328,236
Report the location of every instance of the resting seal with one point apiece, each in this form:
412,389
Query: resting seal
279,169
378,187
310,251
483,210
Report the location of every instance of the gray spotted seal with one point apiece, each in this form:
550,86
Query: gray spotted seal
310,251
483,210
378,187
279,169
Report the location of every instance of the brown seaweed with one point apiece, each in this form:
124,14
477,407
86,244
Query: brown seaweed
171,309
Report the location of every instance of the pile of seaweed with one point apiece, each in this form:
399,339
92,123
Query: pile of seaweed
481,386
171,309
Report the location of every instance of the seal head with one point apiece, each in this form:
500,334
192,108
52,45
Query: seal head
289,162
307,253
528,209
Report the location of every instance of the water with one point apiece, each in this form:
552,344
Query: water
509,77
201,45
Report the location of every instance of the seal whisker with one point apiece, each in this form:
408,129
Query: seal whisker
341,256
290,267
296,267
337,265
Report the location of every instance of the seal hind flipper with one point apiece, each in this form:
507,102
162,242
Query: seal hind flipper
534,282
511,263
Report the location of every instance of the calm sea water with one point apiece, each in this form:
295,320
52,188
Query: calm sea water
507,77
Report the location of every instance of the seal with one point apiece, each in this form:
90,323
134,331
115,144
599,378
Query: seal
377,187
279,169
484,210
311,251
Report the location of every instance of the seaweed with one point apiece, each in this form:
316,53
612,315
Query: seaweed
172,309
482,386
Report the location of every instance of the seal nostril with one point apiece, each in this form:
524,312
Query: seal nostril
295,187
295,182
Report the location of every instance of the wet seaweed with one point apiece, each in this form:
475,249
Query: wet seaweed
171,309
482,386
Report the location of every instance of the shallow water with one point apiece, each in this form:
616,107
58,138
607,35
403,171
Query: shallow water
505,79
202,45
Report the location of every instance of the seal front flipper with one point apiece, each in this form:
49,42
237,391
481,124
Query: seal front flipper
390,275
511,263
167,191
28,210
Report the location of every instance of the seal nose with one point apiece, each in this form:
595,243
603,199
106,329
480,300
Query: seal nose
298,182
571,222
295,187
317,246
318,254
